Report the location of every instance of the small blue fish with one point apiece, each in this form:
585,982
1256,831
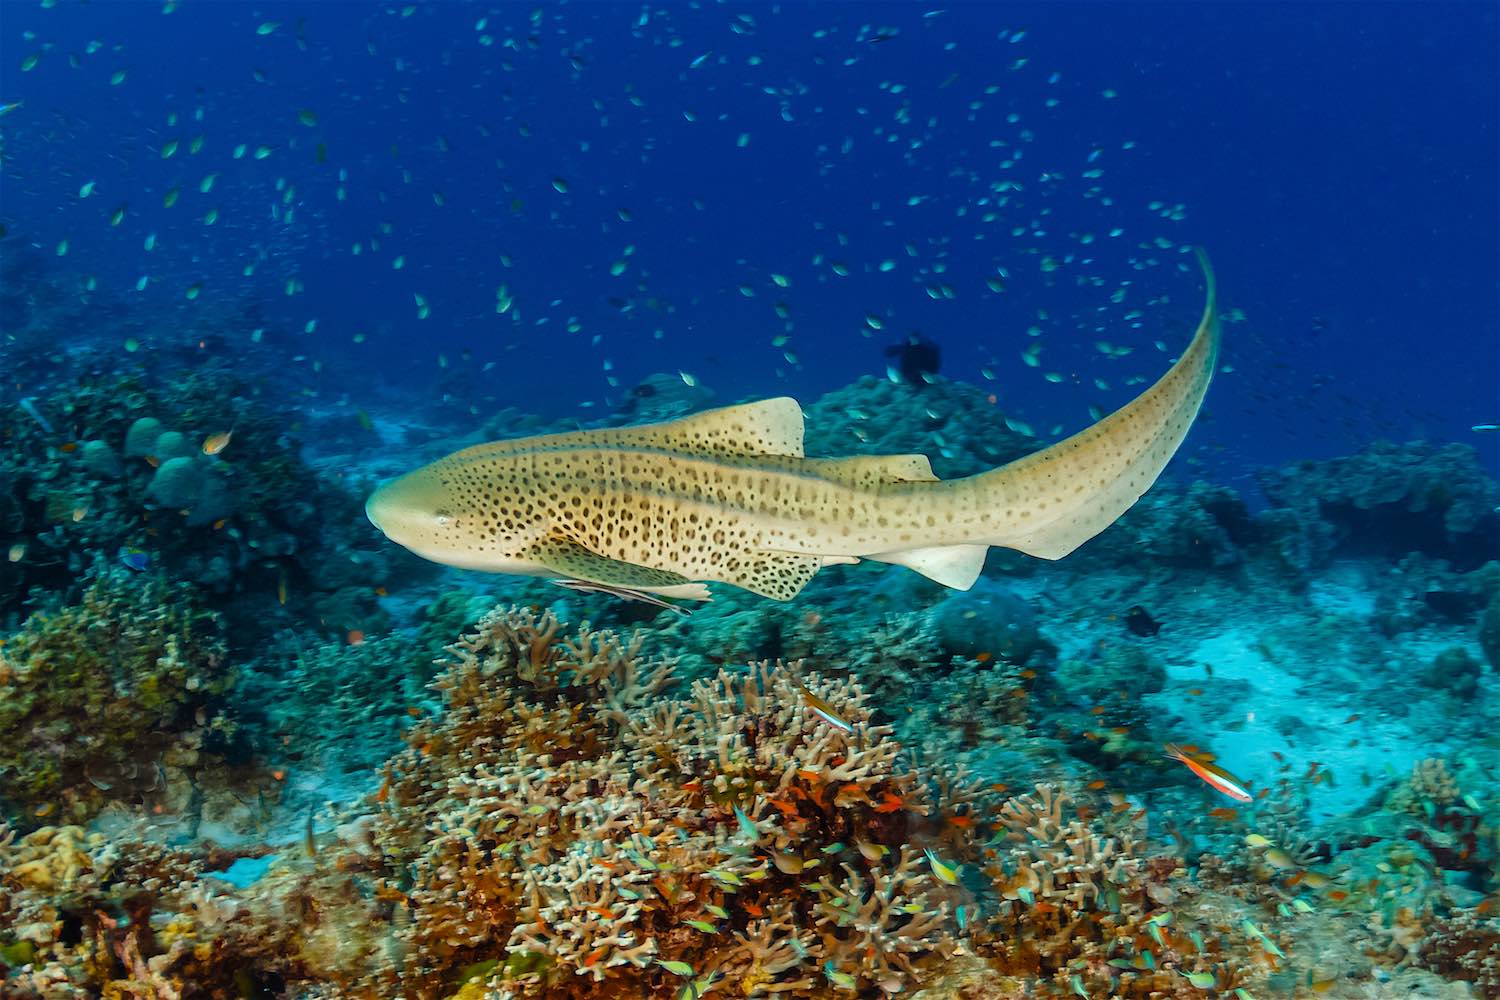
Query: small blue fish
135,559
747,828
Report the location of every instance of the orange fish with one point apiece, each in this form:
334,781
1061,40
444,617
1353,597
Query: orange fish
889,803
784,806
1216,777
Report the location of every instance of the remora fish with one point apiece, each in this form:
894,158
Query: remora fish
727,496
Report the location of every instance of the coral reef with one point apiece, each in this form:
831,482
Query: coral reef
123,464
587,838
335,707
1085,906
116,698
563,825
952,423
1203,527
1489,631
1391,499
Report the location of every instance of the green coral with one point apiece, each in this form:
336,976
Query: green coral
338,706
94,697
267,540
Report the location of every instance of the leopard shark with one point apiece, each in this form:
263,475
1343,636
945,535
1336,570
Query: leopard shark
727,496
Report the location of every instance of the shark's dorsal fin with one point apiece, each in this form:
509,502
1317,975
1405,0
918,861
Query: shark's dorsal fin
767,427
865,471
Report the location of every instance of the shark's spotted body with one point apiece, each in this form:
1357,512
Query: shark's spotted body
727,496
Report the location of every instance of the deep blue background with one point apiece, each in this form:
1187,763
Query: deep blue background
1337,160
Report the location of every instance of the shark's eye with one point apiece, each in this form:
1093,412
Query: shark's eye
442,517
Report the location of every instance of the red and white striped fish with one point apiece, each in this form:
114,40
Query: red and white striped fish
1220,779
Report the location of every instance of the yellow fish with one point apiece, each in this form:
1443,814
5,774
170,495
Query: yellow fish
215,443
727,496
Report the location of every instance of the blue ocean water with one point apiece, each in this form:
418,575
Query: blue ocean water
313,246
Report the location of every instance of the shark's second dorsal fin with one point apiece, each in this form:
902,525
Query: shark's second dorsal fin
767,427
866,471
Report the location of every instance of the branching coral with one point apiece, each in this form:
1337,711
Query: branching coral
564,827
585,837
1082,905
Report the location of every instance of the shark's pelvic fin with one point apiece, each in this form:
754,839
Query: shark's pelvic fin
1068,493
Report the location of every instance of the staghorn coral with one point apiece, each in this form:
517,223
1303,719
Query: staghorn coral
566,831
562,828
1081,905
1464,944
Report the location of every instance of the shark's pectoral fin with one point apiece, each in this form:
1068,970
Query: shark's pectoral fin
574,562
956,566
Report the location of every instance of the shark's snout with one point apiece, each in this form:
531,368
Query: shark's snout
401,510
372,509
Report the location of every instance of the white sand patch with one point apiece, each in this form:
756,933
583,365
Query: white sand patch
1343,590
1261,709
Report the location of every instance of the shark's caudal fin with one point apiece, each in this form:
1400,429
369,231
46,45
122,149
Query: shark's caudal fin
1062,496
